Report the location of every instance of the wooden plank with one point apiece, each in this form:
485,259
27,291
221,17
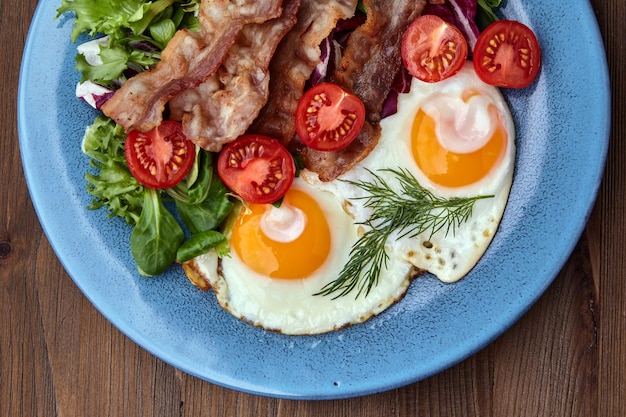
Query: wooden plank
609,226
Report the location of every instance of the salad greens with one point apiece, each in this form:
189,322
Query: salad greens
200,202
175,224
113,187
485,13
136,30
156,237
200,243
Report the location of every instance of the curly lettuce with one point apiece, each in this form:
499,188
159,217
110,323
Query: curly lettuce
111,185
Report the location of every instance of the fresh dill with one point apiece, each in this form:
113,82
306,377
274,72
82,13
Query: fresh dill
410,211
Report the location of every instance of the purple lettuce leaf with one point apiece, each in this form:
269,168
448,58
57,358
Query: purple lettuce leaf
401,85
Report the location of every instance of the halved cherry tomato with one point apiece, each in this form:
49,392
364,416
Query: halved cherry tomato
432,49
507,54
328,117
256,167
161,157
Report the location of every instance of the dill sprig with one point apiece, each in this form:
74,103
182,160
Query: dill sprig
410,211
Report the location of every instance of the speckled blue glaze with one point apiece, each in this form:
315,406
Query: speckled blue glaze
562,121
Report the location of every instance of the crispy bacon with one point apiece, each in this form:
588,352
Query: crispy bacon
294,61
223,107
368,67
372,58
188,60
330,165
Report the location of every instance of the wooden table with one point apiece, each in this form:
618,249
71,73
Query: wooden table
59,356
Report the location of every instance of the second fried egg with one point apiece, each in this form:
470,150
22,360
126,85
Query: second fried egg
457,139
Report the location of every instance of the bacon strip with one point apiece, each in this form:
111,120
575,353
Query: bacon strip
188,60
223,107
294,60
368,67
372,58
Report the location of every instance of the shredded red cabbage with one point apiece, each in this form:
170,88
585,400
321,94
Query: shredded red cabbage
321,70
331,48
101,99
401,85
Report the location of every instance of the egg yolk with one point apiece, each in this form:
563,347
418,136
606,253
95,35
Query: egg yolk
295,259
451,169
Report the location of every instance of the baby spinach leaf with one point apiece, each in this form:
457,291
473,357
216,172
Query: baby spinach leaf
199,190
163,31
157,236
211,212
199,244
195,188
485,14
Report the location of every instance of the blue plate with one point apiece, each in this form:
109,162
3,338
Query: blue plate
563,125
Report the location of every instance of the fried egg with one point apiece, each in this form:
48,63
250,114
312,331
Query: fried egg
281,256
455,137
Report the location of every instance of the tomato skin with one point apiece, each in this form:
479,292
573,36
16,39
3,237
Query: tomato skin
256,167
161,157
328,117
432,49
507,54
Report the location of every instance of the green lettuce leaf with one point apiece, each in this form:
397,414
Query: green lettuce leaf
112,185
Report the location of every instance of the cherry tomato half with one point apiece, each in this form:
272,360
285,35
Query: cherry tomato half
256,167
432,49
328,117
507,54
161,157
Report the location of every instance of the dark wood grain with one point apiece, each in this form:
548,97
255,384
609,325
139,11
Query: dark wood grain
60,357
